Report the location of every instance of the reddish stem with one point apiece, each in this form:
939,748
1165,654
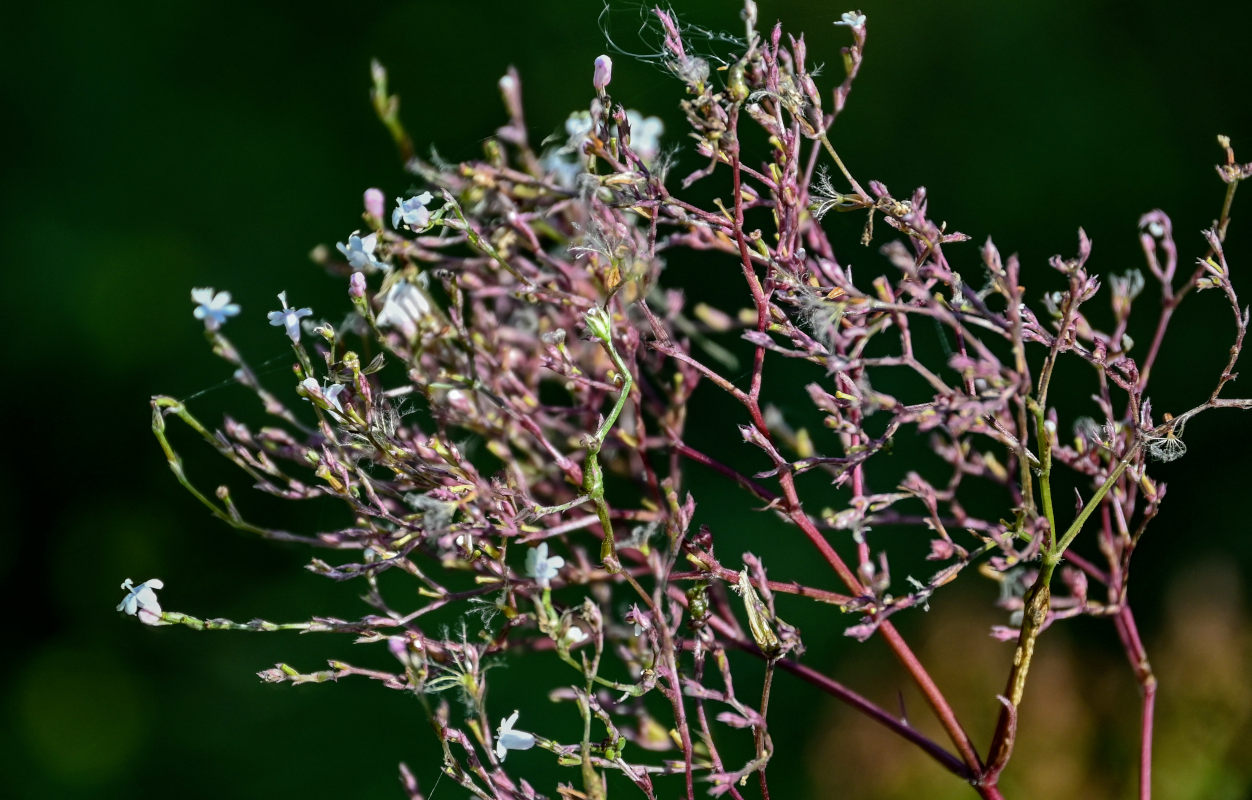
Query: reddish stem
842,693
1128,632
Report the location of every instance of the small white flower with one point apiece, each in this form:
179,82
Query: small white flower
542,568
645,135
853,19
360,251
561,169
213,307
508,739
141,600
289,318
330,394
578,128
406,308
574,636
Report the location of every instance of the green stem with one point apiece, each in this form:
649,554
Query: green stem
1045,469
1037,601
1058,551
593,474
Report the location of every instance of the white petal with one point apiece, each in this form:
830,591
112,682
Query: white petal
516,740
506,725
148,599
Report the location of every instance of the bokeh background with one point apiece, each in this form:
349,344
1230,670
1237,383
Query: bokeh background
157,147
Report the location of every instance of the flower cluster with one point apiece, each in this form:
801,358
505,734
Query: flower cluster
523,301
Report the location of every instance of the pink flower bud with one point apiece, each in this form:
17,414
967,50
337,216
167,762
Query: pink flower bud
374,202
603,73
356,286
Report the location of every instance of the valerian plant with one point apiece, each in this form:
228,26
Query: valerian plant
521,299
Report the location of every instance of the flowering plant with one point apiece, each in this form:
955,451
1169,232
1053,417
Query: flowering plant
520,300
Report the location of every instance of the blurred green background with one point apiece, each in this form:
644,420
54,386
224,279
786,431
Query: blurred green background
157,147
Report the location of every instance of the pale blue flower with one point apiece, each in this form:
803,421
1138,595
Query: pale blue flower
141,600
213,307
289,318
508,739
360,251
412,212
542,568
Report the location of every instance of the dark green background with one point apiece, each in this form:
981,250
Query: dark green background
153,148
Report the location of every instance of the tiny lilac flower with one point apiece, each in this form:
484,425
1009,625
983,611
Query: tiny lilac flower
508,739
356,286
289,318
603,73
412,212
360,251
213,307
542,568
142,601
374,202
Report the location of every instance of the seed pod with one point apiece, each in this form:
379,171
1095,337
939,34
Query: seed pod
758,618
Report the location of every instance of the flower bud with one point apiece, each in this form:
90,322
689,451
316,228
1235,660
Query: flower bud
603,73
374,202
599,324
